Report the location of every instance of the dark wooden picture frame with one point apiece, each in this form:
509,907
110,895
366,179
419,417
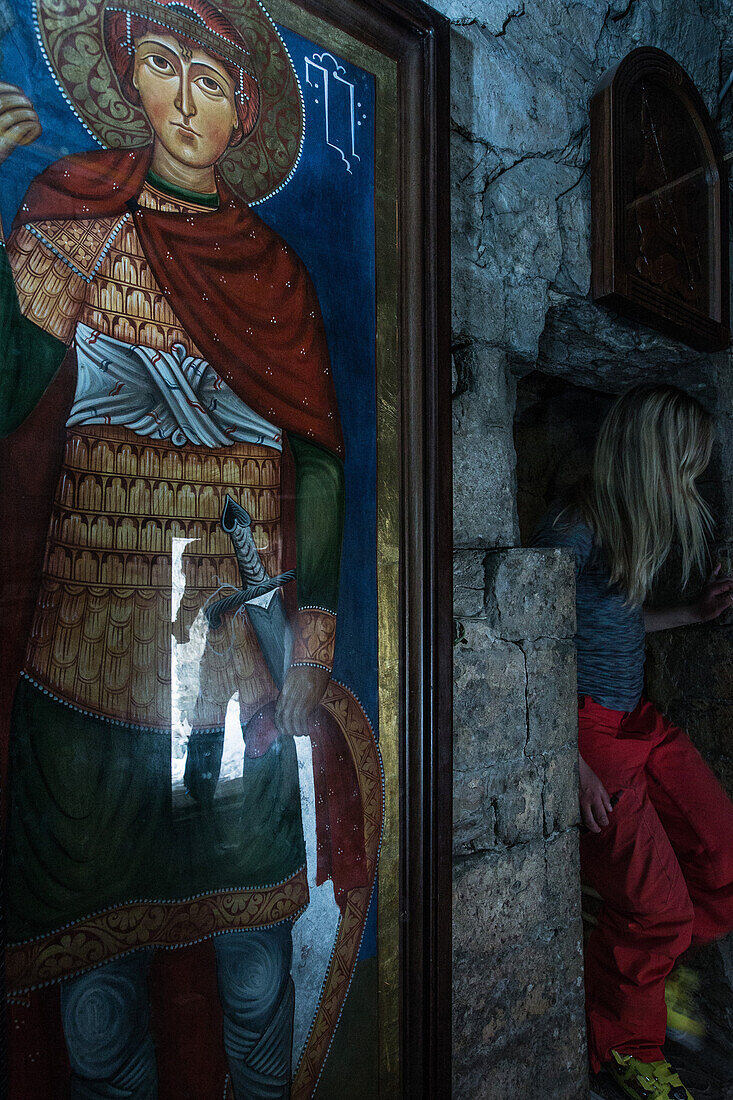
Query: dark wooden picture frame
683,290
416,40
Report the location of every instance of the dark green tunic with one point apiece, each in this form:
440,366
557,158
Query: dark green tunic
92,824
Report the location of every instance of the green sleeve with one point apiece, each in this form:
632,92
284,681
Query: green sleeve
319,523
29,357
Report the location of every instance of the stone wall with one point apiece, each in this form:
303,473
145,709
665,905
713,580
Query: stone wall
517,957
522,75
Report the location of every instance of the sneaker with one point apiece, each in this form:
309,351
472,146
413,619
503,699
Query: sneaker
646,1080
683,1023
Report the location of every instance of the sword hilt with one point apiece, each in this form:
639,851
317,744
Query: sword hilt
243,595
237,523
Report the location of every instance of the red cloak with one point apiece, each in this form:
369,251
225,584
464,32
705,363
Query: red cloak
239,290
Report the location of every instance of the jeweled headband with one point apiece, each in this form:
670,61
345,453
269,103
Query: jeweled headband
174,18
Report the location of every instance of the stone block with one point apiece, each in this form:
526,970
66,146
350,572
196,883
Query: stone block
494,14
549,1054
551,694
531,593
474,814
562,903
507,98
714,965
517,965
590,346
498,898
483,446
527,982
523,245
478,301
489,714
521,212
526,302
574,214
684,29
499,807
482,372
516,792
473,162
484,512
534,891
560,793
469,585
723,398
723,768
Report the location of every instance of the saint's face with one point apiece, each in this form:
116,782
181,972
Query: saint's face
188,97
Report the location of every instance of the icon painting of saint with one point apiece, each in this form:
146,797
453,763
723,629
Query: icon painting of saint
193,787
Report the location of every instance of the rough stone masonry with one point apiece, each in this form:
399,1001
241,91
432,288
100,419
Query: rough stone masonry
523,72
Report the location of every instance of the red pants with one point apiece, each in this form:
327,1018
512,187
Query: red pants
663,866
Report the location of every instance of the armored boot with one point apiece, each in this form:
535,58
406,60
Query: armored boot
105,1016
258,1000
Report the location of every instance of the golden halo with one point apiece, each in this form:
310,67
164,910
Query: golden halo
70,34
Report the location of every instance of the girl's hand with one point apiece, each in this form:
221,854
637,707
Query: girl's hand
19,123
595,805
715,598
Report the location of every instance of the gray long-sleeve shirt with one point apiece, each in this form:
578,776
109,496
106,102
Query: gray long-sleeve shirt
610,636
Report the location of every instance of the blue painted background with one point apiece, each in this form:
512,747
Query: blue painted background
327,214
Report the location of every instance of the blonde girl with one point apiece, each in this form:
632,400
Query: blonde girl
657,843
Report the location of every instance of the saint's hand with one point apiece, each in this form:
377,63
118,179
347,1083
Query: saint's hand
302,691
595,805
715,598
19,123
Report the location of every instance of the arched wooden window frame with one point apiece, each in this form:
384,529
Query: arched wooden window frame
614,281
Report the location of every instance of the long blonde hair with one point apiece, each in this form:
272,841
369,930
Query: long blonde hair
652,447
